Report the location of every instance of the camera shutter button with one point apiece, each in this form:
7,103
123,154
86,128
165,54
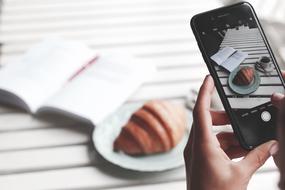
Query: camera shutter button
265,116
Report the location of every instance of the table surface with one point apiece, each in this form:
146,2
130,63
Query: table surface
52,153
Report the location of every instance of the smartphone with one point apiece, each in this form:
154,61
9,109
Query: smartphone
245,72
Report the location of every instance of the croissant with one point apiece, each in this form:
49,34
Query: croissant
156,127
244,76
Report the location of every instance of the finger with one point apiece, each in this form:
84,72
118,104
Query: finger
257,157
227,139
283,74
236,152
278,100
219,117
201,112
188,146
277,159
230,145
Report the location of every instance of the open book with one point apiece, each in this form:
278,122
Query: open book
67,77
229,58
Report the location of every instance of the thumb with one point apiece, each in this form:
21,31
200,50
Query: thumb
257,157
277,100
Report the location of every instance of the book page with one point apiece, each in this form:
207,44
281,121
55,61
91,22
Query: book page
43,70
102,87
234,61
222,55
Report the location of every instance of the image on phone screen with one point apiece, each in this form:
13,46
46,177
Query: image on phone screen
246,70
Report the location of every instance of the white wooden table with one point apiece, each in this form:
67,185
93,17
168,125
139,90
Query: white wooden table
56,154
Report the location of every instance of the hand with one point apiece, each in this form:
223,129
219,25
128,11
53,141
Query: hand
278,100
208,157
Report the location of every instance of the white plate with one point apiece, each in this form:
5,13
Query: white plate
106,132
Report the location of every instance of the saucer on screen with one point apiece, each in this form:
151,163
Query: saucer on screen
268,69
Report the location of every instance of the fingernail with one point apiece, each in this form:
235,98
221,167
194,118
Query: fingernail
277,96
207,76
274,149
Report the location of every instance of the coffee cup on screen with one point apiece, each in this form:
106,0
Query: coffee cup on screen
264,62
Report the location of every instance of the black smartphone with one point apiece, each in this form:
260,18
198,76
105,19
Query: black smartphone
243,67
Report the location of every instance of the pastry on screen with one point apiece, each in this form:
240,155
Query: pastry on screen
244,76
155,128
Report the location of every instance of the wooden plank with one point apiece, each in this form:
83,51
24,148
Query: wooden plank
251,40
97,33
86,177
257,182
16,121
252,36
250,61
56,157
257,52
45,159
136,49
89,27
160,186
257,56
262,90
242,38
250,49
242,32
179,74
168,91
59,13
91,177
22,161
52,2
172,61
247,103
91,22
162,61
109,40
263,80
261,74
237,44
24,121
40,138
85,5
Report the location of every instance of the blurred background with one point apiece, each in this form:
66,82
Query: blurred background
35,154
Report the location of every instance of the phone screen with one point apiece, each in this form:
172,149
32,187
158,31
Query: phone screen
247,73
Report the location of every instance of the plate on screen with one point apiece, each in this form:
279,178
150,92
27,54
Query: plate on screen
106,132
243,90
